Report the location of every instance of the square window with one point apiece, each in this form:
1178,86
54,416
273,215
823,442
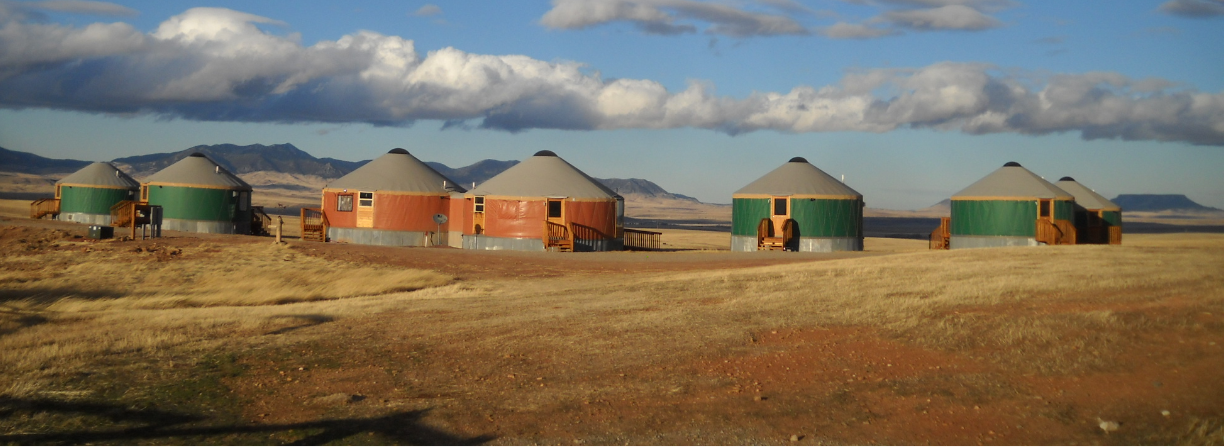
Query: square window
365,199
479,204
554,209
780,207
344,202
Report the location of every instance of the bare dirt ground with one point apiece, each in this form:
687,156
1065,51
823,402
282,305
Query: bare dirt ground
895,345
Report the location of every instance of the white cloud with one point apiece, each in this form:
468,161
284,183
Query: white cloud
843,30
428,10
81,7
1193,8
949,17
662,17
217,65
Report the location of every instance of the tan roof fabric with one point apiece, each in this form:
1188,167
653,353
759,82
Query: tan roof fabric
198,170
1012,181
1085,197
396,171
798,177
544,176
101,174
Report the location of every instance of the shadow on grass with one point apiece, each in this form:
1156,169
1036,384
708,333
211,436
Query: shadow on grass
143,426
49,295
306,320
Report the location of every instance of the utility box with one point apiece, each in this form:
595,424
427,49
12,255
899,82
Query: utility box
101,232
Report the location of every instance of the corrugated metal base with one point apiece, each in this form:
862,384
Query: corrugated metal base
200,226
807,244
956,242
479,242
368,236
473,242
85,218
455,238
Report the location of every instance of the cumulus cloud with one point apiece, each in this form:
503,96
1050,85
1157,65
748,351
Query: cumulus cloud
949,17
675,17
428,10
217,65
1193,8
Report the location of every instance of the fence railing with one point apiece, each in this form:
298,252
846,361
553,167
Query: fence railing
1116,235
640,240
43,207
314,225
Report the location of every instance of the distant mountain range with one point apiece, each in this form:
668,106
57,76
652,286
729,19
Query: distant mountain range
288,159
1158,202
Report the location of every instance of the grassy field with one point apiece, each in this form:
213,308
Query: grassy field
188,340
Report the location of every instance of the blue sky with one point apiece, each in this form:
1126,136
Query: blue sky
911,100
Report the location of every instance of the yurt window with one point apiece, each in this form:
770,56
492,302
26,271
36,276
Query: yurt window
479,204
1044,208
780,207
365,199
554,209
344,202
244,200
144,193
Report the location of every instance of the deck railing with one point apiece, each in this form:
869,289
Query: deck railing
260,221
1116,235
558,235
314,225
43,207
939,239
1059,232
641,240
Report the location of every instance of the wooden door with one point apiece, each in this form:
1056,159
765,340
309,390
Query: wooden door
478,215
365,210
780,211
555,211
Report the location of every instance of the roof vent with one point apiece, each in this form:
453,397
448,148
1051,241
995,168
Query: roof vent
797,160
1067,179
1012,163
196,154
398,151
545,154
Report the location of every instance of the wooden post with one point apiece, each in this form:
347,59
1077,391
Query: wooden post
280,222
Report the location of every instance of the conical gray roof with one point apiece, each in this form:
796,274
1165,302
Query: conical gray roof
197,170
544,175
1085,197
798,177
1012,182
100,175
398,171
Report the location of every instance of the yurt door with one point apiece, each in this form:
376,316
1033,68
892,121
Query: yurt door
365,210
780,211
555,212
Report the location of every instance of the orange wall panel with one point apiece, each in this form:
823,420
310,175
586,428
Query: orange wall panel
525,218
339,219
399,212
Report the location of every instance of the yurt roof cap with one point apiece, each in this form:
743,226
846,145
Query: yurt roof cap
197,169
1011,182
101,174
544,175
1086,197
798,177
397,171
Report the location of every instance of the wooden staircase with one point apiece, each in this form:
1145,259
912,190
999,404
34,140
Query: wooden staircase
133,214
1056,232
44,207
558,237
767,238
939,239
260,222
314,225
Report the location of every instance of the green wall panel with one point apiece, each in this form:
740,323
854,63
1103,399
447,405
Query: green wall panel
746,213
994,217
194,203
81,199
1064,209
827,217
1114,218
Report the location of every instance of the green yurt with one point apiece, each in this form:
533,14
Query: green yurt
86,196
1011,207
797,207
198,195
1098,220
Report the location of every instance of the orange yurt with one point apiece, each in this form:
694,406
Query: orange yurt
543,204
392,200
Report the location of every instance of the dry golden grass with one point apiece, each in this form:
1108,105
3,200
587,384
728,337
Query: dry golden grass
1040,310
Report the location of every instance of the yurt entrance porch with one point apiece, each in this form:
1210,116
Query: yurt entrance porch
777,231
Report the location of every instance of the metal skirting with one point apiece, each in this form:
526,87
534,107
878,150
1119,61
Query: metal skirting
956,242
367,236
806,244
201,226
480,242
86,218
